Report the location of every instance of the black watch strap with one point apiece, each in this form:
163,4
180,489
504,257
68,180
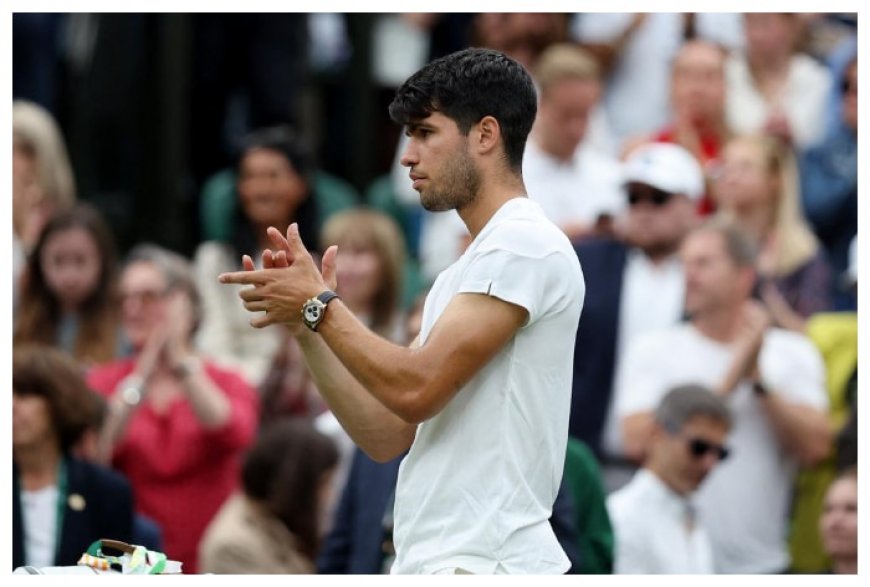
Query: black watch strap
327,296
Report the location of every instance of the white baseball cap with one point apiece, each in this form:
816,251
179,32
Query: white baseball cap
665,166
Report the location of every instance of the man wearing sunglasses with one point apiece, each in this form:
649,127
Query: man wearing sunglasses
772,379
653,517
664,183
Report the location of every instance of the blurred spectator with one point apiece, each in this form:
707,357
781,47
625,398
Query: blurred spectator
522,35
829,182
274,525
697,106
654,518
145,531
757,186
42,179
60,503
273,189
771,88
177,424
772,380
70,292
636,51
579,188
839,523
369,265
664,184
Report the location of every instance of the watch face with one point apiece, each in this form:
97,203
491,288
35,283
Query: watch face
313,312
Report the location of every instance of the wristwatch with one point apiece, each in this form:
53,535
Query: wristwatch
314,310
131,390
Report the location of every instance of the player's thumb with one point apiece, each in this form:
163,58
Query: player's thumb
328,267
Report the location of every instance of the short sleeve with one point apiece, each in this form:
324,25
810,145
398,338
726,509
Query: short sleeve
541,285
792,366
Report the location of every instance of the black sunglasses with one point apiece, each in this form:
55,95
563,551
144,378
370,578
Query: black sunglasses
698,448
656,196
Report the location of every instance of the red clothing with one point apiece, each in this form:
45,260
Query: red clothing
180,472
711,146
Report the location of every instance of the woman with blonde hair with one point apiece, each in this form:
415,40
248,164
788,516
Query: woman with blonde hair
369,267
42,178
757,186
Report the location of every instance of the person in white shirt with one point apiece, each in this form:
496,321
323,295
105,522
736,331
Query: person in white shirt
773,381
637,50
772,88
579,187
480,399
653,517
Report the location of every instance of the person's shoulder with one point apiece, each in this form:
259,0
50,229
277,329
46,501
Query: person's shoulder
525,230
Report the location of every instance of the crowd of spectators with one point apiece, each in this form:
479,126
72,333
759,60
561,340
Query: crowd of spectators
704,166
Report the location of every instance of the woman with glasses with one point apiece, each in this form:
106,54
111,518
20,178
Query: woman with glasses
177,425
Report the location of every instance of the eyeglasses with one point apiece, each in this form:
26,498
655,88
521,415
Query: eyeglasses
699,448
638,194
146,296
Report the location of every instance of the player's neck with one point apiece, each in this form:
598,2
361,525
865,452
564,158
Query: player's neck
493,194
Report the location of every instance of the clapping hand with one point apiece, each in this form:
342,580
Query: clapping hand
288,278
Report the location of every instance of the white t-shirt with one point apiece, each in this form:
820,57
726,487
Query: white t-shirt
803,100
39,513
477,487
744,503
651,530
578,190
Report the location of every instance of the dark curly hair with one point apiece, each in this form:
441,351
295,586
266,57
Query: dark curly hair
56,376
466,86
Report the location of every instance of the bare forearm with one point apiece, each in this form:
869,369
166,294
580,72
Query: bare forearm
379,432
803,430
210,405
393,374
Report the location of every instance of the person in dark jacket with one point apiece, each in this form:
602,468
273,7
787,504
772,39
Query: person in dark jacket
60,503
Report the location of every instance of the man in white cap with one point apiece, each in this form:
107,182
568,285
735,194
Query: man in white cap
634,285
